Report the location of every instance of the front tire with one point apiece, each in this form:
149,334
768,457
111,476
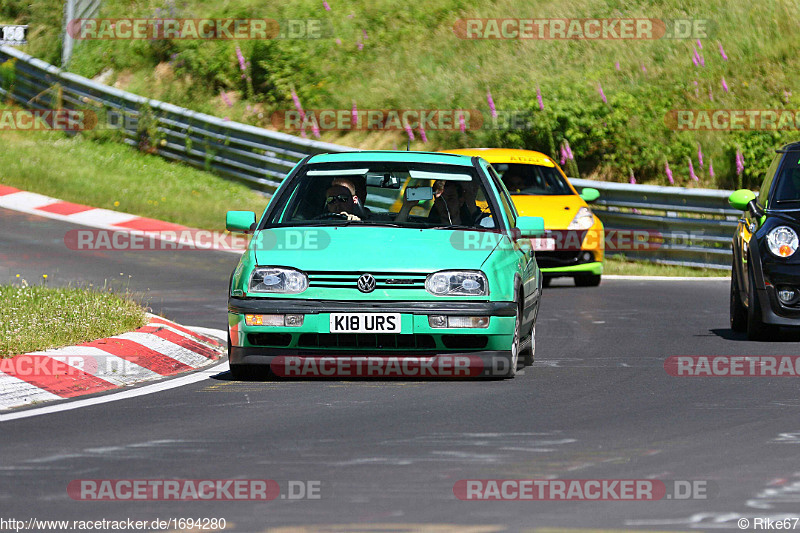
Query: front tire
757,330
587,280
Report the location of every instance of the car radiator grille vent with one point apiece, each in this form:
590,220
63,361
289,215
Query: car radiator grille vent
349,280
366,340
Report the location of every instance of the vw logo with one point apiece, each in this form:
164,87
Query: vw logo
366,283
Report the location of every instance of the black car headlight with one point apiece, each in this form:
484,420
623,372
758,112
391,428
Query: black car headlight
457,283
278,280
782,241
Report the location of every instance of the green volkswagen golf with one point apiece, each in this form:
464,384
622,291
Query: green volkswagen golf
385,264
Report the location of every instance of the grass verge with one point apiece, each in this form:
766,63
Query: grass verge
114,176
619,265
36,318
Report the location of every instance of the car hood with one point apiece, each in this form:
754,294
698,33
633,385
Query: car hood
372,248
557,211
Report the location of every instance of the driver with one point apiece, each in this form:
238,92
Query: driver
341,198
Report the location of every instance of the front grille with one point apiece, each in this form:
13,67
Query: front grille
269,339
558,258
349,279
366,340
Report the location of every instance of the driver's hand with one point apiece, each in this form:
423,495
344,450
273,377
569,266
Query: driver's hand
350,216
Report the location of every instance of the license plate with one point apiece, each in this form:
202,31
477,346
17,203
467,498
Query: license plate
365,322
544,245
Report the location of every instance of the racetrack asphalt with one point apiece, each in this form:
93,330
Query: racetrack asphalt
597,404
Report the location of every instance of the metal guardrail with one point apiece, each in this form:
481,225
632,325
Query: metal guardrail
692,227
258,157
75,9
684,226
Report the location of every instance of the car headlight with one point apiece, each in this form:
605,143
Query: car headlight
457,283
280,280
782,241
584,219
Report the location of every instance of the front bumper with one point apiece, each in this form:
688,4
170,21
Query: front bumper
260,344
594,267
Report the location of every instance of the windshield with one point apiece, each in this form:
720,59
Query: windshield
788,188
401,194
532,179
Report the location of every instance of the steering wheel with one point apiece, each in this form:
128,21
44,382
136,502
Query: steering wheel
327,216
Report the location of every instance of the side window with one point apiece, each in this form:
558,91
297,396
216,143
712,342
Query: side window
505,199
768,179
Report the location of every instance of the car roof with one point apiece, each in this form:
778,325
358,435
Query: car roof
507,155
791,147
393,156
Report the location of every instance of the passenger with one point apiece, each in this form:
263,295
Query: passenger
449,207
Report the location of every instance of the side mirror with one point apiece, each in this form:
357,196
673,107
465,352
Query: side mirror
530,226
589,194
741,198
240,221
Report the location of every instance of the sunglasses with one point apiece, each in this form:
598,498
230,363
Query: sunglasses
342,198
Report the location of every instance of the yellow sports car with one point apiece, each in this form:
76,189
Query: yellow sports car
574,241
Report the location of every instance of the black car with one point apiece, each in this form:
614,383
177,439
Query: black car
765,280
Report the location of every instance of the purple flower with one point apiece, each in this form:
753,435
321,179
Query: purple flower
539,98
694,59
602,94
570,155
314,127
739,162
354,115
491,103
617,65
710,94
644,68
351,15
338,41
563,155
299,110
699,44
325,5
724,85
711,167
422,133
360,45
722,52
700,154
242,62
786,95
669,173
225,98
632,179
462,123
409,131
691,171
702,59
